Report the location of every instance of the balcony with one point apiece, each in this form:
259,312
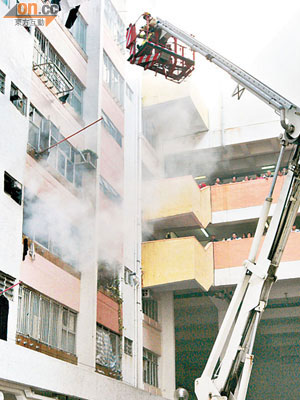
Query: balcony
243,194
179,263
234,252
177,202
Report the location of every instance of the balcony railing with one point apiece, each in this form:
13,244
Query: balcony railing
233,253
243,194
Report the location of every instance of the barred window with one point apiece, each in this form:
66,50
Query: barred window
115,24
7,281
2,81
108,349
111,129
150,368
113,80
128,346
44,53
150,308
46,320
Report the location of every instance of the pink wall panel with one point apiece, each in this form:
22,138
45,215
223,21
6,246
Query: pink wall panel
111,161
108,312
112,109
52,281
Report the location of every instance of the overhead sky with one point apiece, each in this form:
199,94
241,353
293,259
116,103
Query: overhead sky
235,28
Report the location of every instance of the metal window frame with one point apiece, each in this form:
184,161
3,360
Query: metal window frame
150,367
118,353
112,130
115,24
2,82
128,346
25,315
150,308
113,79
23,108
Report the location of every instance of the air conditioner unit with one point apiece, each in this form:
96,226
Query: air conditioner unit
87,159
146,294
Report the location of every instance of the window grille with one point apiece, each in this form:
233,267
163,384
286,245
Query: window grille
113,80
111,129
128,346
57,71
45,320
150,308
108,349
150,368
7,281
2,82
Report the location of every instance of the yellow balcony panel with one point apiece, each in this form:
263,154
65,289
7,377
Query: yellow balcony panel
177,202
180,263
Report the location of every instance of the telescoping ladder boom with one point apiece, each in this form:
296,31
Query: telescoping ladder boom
227,372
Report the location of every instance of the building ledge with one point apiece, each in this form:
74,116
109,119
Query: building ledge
36,345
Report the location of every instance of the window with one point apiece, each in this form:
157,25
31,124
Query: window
129,92
18,99
128,346
150,308
115,24
2,81
48,227
108,349
109,191
7,281
128,276
111,129
113,80
4,309
44,53
13,188
150,368
78,30
42,134
108,277
6,2
45,320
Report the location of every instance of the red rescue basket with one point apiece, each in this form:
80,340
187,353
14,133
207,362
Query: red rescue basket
160,52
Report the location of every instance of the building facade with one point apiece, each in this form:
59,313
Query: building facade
72,327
